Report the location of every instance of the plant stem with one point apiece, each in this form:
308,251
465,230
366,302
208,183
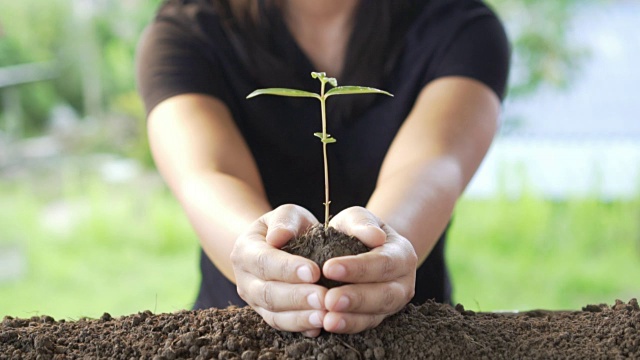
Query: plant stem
324,156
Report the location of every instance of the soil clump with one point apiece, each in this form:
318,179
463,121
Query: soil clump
321,244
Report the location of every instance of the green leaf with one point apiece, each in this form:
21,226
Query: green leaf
318,75
322,76
283,92
327,140
346,90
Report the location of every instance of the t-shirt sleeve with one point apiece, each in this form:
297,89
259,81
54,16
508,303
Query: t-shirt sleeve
480,51
170,62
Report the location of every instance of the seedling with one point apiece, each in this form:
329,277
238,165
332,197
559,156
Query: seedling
324,137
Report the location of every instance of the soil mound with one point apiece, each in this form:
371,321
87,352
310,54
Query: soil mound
429,331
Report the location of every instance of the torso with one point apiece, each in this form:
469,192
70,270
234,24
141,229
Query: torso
192,53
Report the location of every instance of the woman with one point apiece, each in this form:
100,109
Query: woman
249,173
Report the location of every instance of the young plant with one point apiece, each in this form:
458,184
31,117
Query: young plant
325,138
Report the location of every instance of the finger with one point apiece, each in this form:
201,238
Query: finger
293,321
373,298
346,323
394,259
277,296
286,222
361,223
312,333
270,264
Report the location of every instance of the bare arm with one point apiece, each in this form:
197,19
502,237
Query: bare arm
200,153
434,156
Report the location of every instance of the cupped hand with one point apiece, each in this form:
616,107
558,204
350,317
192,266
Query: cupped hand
277,285
381,282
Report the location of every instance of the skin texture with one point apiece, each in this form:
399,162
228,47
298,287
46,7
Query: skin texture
208,166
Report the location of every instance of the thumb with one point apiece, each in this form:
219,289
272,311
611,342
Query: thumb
361,223
287,222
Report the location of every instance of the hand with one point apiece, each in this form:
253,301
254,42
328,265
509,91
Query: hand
277,285
381,282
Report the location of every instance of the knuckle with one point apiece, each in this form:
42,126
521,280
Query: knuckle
267,296
273,321
362,269
413,257
283,215
409,294
262,261
374,321
242,292
358,301
235,256
286,208
296,296
302,322
388,266
388,299
287,268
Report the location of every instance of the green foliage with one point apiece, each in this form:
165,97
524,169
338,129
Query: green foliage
283,92
347,90
543,52
28,36
534,253
91,247
94,50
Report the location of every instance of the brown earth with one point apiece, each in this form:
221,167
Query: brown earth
429,331
321,244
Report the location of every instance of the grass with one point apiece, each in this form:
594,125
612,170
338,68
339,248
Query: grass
534,253
93,247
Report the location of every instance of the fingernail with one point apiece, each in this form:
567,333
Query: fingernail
314,320
341,325
337,271
342,304
304,274
314,301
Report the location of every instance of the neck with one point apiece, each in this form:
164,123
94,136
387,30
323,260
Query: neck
320,11
322,29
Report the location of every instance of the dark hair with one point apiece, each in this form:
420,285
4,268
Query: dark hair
375,43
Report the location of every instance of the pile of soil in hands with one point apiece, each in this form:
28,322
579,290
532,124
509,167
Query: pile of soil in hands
429,331
321,244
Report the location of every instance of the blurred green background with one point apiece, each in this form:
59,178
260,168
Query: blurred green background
87,226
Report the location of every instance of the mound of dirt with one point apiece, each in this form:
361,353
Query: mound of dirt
429,331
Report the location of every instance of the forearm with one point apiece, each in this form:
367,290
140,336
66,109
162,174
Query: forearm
220,207
434,156
203,158
417,201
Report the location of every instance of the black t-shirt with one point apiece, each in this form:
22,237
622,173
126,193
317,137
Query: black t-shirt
187,50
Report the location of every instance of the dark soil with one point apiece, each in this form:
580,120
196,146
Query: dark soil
320,244
429,331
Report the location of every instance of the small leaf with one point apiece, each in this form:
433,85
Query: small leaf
322,76
346,90
328,140
283,92
318,134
